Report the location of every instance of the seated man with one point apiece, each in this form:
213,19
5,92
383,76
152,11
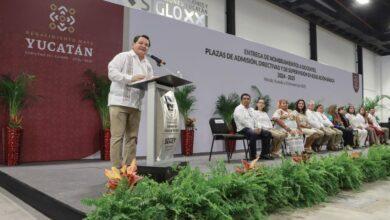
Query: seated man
246,125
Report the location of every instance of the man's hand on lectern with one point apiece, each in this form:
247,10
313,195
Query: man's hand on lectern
137,77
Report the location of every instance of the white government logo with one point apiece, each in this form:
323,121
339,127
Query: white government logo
62,18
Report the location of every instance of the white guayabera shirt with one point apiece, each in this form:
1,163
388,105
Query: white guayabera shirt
244,117
314,121
324,120
122,68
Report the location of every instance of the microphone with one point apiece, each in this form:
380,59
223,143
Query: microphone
158,60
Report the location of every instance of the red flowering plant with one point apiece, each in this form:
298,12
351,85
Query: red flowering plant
246,166
126,173
298,158
355,154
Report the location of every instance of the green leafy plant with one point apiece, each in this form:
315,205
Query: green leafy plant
220,194
259,95
15,94
316,103
276,193
350,177
224,107
304,191
373,166
96,89
373,103
319,172
291,105
186,102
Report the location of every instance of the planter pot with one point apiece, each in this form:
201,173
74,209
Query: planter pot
187,141
106,144
13,138
230,145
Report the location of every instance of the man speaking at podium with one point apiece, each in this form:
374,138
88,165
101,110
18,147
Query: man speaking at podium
125,102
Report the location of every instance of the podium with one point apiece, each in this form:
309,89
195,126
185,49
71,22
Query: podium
162,118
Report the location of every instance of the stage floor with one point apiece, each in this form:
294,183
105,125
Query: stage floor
71,181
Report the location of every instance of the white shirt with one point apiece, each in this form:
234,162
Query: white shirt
361,121
324,119
313,119
122,68
355,120
262,120
374,121
244,117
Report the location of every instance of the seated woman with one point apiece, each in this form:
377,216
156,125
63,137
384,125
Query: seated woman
303,124
286,121
382,132
362,118
357,125
335,118
265,123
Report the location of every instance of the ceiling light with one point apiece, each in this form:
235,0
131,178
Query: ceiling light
363,2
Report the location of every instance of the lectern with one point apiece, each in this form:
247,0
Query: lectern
162,118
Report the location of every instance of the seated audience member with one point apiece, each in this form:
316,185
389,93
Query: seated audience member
363,120
325,136
356,125
263,121
303,124
377,127
286,121
246,125
338,122
337,134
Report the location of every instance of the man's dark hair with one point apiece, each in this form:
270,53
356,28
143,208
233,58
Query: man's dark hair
245,94
144,36
303,111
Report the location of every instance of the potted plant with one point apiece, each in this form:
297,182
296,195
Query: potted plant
225,108
259,95
96,89
374,102
14,93
185,102
291,105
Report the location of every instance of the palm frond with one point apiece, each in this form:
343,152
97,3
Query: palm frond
291,105
372,103
14,93
186,102
224,107
96,89
267,98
